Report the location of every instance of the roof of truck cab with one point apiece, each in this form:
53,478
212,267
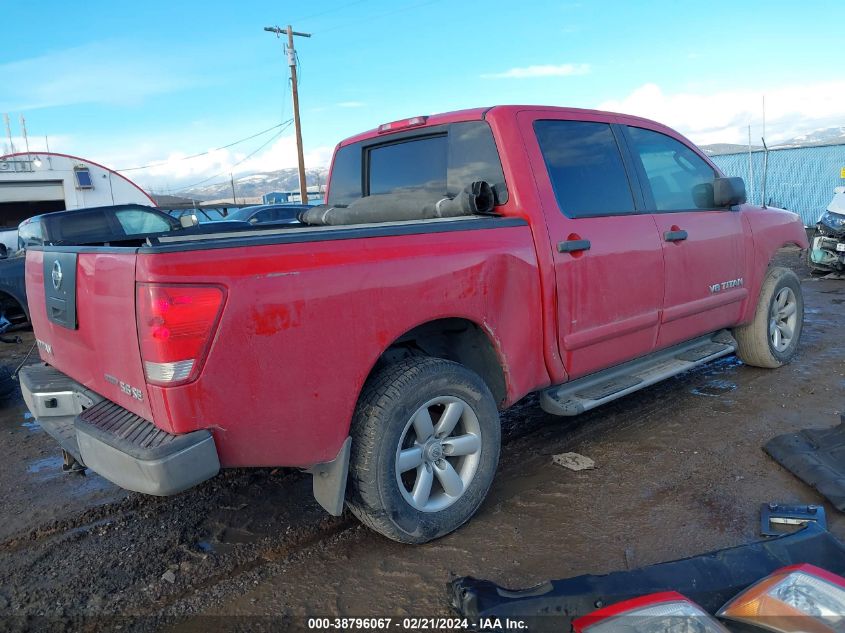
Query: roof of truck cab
476,114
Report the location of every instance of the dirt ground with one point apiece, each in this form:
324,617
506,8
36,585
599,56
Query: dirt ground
680,471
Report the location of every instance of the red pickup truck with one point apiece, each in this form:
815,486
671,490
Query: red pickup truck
611,254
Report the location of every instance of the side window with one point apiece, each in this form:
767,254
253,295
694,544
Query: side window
680,180
585,167
137,221
346,175
29,234
473,156
267,215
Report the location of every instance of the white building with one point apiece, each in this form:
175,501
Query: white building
39,182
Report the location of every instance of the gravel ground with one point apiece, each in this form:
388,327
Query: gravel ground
679,471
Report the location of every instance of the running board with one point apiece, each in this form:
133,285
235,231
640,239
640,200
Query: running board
583,394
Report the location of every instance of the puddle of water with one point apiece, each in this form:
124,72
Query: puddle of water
48,463
49,469
30,423
715,388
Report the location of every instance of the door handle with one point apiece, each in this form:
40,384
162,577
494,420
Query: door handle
675,236
573,246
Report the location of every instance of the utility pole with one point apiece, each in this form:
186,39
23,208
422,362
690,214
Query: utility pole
232,180
303,189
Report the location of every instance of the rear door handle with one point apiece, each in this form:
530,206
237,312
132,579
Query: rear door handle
675,236
573,246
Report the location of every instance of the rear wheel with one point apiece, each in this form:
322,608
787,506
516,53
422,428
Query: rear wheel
771,339
425,446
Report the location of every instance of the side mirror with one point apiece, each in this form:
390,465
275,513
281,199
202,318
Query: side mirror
729,192
188,221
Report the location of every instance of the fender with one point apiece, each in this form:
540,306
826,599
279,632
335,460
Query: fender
767,231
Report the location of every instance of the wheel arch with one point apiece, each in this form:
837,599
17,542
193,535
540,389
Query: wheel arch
5,296
458,339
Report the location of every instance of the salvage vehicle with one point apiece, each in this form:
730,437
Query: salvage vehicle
92,225
98,225
269,213
580,254
827,250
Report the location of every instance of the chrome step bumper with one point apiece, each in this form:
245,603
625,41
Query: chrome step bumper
114,442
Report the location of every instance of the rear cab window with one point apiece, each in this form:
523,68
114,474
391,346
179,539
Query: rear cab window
440,161
585,166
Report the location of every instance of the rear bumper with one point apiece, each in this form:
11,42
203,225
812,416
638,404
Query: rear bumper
119,445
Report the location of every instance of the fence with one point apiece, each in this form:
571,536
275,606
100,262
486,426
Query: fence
800,179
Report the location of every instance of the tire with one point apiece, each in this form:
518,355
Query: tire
388,419
763,342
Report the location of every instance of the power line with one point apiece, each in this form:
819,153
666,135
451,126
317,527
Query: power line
370,18
231,167
216,149
327,11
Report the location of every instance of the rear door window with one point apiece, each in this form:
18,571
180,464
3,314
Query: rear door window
679,179
585,167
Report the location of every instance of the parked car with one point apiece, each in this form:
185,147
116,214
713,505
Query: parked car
96,225
123,224
827,251
269,213
613,254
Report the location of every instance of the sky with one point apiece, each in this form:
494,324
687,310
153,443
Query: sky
129,84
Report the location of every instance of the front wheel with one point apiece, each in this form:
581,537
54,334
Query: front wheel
425,446
771,339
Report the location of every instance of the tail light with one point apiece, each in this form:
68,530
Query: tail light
175,327
797,598
667,612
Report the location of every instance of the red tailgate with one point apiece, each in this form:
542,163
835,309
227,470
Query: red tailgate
102,351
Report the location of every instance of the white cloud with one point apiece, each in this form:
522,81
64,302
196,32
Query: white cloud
174,174
724,116
543,70
101,72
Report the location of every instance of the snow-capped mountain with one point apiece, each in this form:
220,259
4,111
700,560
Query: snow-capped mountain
256,185
825,136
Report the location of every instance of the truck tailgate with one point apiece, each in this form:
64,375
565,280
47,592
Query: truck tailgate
82,304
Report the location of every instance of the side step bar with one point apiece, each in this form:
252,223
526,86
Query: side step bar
583,394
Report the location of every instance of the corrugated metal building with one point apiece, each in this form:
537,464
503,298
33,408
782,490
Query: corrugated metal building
800,179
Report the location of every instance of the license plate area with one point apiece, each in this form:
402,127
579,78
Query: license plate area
60,288
840,248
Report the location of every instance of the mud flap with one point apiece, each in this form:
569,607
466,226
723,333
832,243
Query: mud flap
329,480
816,457
709,580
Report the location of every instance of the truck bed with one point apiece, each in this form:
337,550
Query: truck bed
302,306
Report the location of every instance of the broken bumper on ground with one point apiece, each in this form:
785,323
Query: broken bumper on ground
709,580
122,447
